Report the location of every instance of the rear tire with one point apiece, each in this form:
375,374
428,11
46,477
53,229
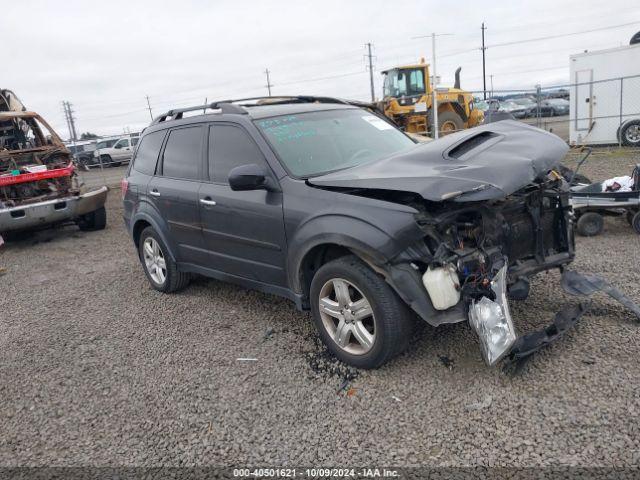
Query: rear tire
590,224
388,321
630,134
629,214
92,221
160,269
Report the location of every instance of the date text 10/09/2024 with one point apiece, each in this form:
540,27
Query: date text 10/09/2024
315,472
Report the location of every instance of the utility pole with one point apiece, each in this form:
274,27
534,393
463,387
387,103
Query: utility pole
66,117
484,75
71,121
434,83
434,88
149,105
491,77
269,85
373,91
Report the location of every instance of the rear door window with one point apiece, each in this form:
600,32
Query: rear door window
230,146
182,155
147,154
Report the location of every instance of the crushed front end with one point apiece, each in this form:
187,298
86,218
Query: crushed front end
492,210
489,249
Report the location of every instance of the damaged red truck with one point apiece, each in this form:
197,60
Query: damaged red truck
38,183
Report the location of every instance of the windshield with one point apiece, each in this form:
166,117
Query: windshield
106,143
23,133
404,82
314,143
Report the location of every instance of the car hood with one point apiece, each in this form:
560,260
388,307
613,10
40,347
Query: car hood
482,163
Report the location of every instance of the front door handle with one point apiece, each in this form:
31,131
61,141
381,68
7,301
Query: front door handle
154,192
208,201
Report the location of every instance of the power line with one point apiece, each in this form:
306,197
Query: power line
561,35
318,79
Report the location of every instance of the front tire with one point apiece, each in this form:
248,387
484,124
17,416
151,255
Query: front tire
161,271
358,315
93,221
449,122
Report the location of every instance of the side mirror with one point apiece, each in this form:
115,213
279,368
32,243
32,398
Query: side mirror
248,177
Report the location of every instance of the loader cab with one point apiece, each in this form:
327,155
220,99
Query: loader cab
412,82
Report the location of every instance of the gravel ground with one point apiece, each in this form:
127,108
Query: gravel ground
98,369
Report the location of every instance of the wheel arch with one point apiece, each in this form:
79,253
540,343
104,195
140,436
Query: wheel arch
454,107
313,246
143,220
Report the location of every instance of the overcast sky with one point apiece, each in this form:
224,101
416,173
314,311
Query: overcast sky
105,57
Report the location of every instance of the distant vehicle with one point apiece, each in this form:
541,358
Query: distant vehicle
408,97
559,106
82,151
523,105
599,116
481,105
115,151
542,110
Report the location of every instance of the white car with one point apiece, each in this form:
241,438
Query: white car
118,152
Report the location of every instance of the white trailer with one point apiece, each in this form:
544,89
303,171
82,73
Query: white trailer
605,97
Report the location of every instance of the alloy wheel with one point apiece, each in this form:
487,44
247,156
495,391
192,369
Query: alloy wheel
632,134
154,260
347,316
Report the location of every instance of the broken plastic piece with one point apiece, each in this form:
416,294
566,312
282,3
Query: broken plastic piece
575,283
528,344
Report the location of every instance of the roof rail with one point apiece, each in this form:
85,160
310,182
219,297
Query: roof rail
236,105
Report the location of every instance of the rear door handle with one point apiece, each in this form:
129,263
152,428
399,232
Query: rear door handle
208,201
154,192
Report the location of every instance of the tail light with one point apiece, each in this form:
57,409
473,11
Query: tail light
124,185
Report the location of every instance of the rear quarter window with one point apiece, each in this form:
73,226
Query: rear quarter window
148,151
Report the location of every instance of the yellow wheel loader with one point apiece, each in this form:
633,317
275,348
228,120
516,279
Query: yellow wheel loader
408,101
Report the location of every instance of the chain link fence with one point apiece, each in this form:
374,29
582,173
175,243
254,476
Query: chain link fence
602,112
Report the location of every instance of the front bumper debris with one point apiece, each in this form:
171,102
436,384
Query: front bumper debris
51,211
573,283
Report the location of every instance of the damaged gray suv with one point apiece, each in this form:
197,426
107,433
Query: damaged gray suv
333,207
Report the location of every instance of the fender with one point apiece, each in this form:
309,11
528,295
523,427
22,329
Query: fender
147,212
363,237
